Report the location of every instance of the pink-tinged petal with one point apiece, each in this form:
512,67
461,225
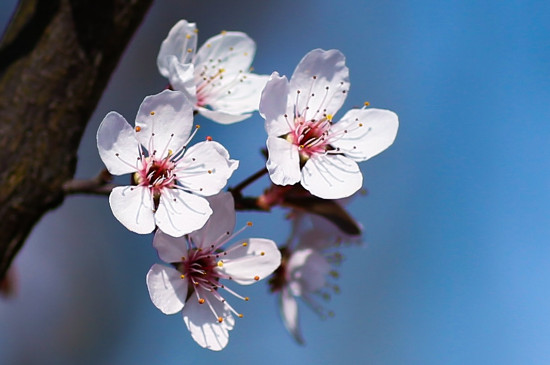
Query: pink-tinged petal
170,249
251,260
203,324
180,213
364,133
231,51
283,163
274,106
221,223
182,78
222,117
133,207
181,42
323,81
166,288
323,234
241,97
205,168
331,176
164,121
117,144
308,270
289,315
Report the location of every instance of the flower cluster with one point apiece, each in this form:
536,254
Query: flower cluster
176,188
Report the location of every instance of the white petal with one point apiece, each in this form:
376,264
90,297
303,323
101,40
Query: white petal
166,288
316,72
205,168
179,212
243,96
181,38
308,270
170,249
231,51
117,144
331,176
251,262
165,120
222,117
182,78
274,106
204,326
289,315
283,163
133,207
369,132
220,224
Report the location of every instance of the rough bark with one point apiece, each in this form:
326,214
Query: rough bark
56,58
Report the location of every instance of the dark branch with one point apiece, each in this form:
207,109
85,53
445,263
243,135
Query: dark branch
56,58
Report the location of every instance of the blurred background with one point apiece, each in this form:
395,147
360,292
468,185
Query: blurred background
456,265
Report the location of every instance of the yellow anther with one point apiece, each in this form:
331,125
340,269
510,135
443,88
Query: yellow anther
183,258
220,264
209,171
329,117
240,315
208,45
170,152
138,128
223,32
367,103
256,278
251,69
246,299
197,126
249,224
222,70
196,30
262,253
246,53
245,244
182,276
201,301
220,319
189,50
188,36
360,124
152,113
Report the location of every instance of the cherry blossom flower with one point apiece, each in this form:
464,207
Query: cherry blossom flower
217,77
198,264
169,177
307,269
303,143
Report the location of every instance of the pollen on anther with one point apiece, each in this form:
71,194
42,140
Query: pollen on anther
220,264
249,224
209,171
246,299
223,32
195,30
262,253
182,276
197,126
188,36
208,138
256,278
329,116
367,103
220,319
245,244
201,301
314,77
189,50
152,113
138,128
240,315
360,124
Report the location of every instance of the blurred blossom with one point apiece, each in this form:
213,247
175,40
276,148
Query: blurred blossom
308,268
167,174
217,78
304,145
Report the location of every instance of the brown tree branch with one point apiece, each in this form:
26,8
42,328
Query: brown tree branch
56,58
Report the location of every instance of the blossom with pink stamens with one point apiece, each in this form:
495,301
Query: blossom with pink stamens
170,179
198,264
217,78
303,143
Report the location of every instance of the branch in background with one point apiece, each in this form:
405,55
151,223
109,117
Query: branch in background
100,185
56,58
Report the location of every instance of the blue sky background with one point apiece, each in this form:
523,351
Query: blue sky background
456,266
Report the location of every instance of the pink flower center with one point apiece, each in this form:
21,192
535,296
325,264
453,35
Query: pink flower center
311,136
157,174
